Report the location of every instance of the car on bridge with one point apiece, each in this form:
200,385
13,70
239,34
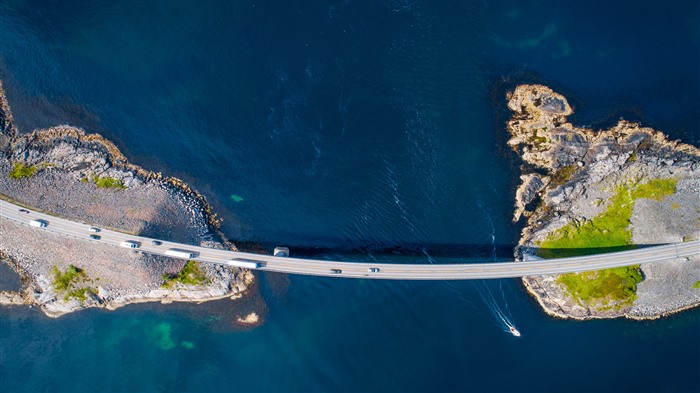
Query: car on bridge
336,271
373,270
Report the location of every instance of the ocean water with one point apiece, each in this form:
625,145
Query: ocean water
351,130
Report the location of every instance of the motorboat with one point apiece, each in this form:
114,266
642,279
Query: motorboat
514,331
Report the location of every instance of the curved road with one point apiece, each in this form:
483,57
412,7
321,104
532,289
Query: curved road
64,227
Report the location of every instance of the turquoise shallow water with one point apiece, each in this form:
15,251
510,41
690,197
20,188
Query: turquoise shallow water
352,130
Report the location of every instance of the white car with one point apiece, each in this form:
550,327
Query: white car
93,229
373,270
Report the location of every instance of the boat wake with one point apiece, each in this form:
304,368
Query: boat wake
502,314
498,307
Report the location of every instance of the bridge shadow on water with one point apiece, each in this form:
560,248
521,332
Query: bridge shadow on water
362,250
549,253
426,253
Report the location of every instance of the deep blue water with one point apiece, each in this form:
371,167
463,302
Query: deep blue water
357,129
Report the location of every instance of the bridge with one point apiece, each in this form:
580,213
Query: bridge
64,227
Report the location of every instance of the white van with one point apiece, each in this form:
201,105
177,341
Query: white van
129,244
38,223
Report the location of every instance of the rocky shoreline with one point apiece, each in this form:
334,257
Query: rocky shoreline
571,177
86,178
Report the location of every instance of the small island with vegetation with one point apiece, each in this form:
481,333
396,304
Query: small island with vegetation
66,172
585,192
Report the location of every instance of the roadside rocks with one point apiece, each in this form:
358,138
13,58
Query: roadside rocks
8,130
527,192
571,174
8,298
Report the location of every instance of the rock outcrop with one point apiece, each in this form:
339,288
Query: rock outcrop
570,174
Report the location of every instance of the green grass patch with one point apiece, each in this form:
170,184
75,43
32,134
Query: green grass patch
63,281
600,288
608,229
109,182
80,294
21,171
67,283
656,189
696,285
190,274
606,232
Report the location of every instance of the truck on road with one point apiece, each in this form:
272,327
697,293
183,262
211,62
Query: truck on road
281,252
130,244
177,253
39,223
245,263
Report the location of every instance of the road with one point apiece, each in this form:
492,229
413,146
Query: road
65,227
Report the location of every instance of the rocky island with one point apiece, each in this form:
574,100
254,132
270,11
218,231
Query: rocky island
587,192
67,172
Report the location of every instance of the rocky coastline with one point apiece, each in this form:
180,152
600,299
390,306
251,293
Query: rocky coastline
580,182
85,177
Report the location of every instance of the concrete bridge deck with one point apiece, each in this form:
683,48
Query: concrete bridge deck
64,227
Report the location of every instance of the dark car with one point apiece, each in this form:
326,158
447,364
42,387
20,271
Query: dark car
95,237
156,242
336,271
24,211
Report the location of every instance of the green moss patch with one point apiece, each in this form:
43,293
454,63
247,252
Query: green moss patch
109,182
21,171
563,175
696,285
606,232
656,189
536,140
191,274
